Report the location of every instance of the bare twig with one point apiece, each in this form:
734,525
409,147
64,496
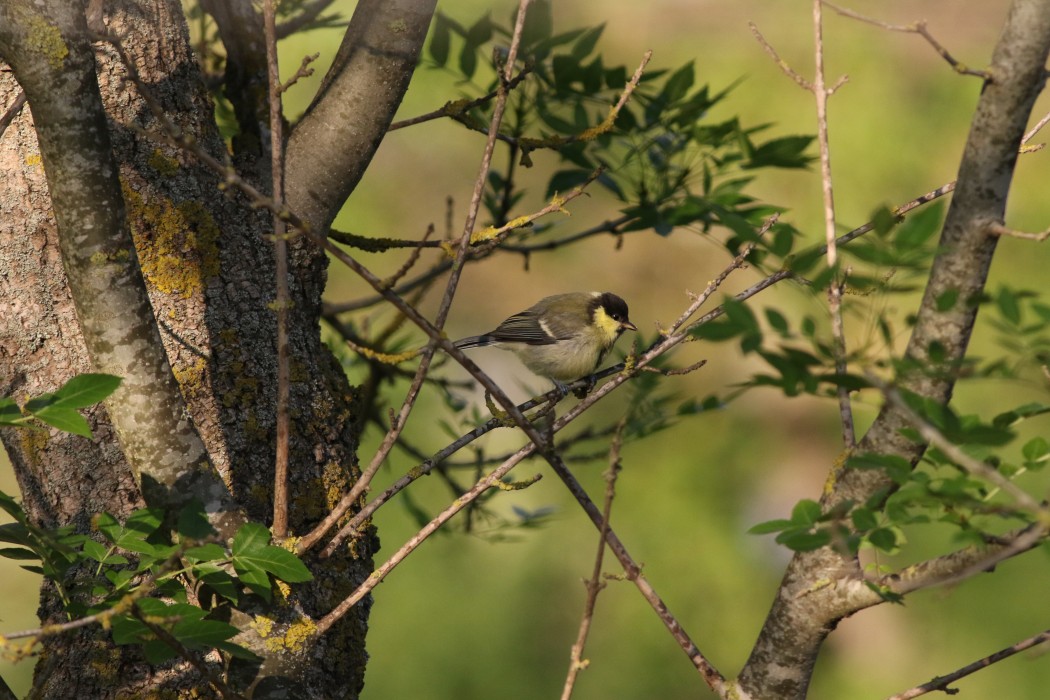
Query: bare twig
362,484
413,258
281,304
381,572
820,94
304,71
1035,129
456,109
594,585
788,70
612,226
915,28
12,111
941,683
998,229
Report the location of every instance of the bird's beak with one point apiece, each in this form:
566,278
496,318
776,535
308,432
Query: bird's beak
628,326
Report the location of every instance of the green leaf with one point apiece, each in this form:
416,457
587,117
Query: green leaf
946,300
770,526
193,522
918,228
784,152
218,580
279,562
679,83
249,538
19,554
10,506
864,519
778,322
441,40
255,579
883,538
206,552
883,219
95,551
65,419
1036,452
9,412
85,390
586,43
806,512
1009,305
238,652
200,635
804,540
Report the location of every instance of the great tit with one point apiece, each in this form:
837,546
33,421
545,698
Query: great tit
562,337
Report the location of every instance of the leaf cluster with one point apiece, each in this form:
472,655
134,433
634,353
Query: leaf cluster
134,578
660,155
59,409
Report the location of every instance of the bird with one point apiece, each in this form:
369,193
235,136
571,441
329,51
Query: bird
562,337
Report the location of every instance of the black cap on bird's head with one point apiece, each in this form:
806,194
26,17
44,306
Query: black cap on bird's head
615,307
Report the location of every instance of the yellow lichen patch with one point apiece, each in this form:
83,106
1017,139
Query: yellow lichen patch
191,376
45,39
295,638
34,160
163,164
33,443
262,625
177,243
283,590
335,483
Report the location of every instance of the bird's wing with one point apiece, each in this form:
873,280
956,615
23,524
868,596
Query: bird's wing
525,327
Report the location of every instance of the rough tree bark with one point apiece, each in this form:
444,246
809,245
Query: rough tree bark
195,416
821,588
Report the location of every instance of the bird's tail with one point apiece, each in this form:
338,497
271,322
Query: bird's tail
475,341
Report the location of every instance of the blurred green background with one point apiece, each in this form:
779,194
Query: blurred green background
494,613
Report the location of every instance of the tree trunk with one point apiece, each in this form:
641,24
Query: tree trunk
209,272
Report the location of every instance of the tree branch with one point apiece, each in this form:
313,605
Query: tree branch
942,682
334,142
161,444
782,660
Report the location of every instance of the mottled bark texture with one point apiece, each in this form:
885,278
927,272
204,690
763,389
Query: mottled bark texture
182,314
820,588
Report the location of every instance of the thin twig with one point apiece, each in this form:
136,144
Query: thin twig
998,229
304,71
283,301
457,108
941,683
476,253
381,572
413,258
594,585
363,482
1035,129
916,28
788,70
12,111
820,94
